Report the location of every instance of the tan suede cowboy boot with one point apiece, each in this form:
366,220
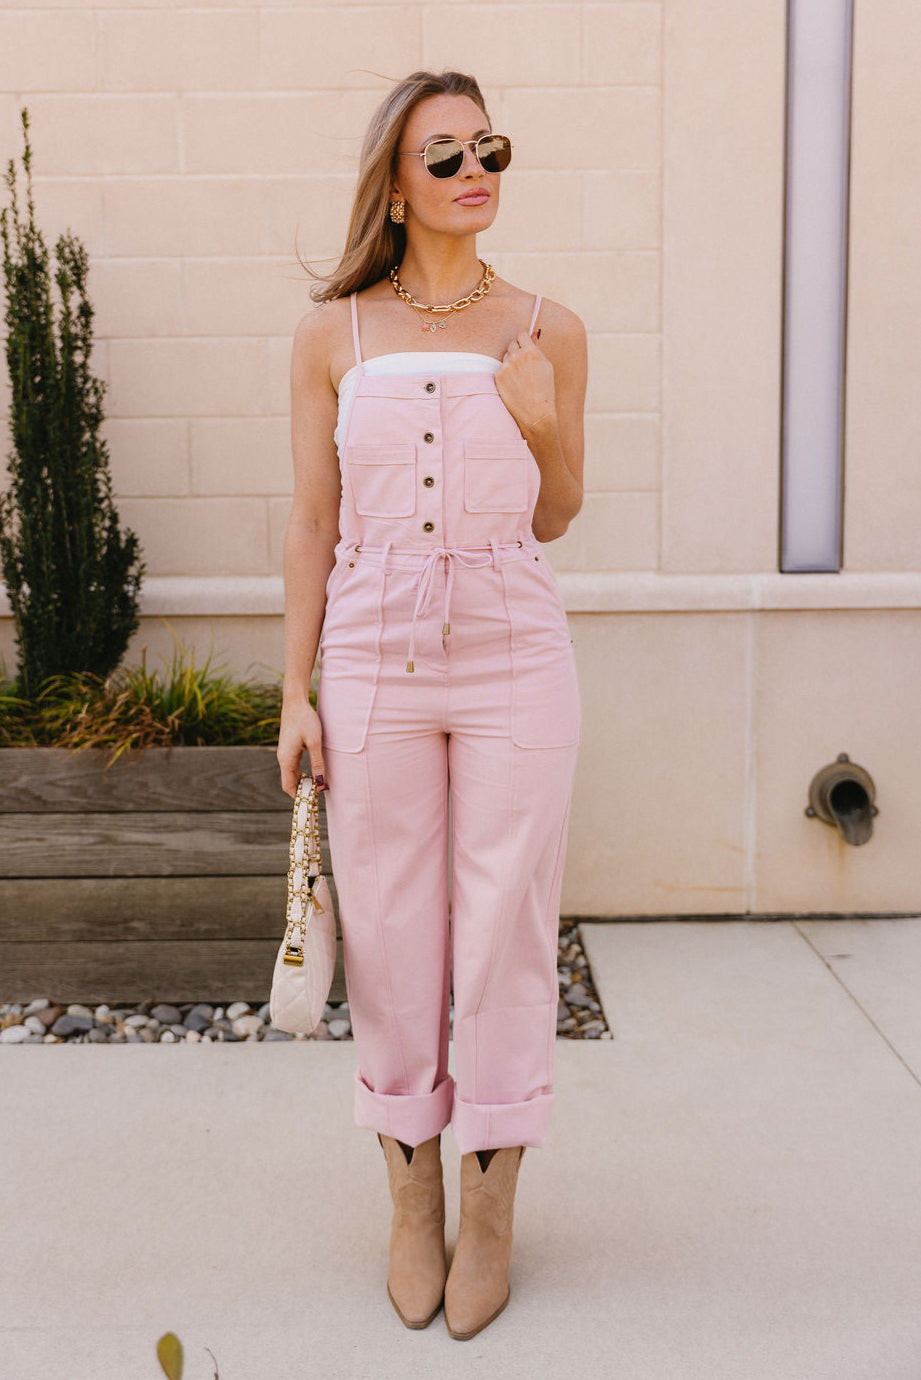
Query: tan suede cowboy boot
418,1265
477,1288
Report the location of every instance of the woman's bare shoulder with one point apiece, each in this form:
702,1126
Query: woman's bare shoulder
319,337
566,326
322,324
563,340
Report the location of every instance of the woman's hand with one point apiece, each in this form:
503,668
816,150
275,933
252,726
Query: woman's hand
544,390
300,731
524,382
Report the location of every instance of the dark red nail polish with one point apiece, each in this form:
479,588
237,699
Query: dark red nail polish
538,332
321,783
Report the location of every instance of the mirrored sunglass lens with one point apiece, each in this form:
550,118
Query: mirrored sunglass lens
494,152
444,157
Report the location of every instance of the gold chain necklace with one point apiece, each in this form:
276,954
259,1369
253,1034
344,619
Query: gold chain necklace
447,308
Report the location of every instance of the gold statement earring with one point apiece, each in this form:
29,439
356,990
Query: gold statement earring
398,212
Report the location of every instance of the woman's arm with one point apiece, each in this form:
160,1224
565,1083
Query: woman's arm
310,540
543,386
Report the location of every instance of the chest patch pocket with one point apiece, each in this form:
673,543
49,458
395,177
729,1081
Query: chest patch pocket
496,476
383,479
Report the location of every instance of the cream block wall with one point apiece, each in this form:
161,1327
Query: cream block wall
882,527
194,149
722,283
714,725
659,815
830,682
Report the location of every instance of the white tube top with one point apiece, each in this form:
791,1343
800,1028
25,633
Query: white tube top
409,362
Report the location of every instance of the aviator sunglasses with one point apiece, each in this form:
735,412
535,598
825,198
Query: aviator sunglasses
445,157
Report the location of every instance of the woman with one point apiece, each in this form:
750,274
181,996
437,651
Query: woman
425,479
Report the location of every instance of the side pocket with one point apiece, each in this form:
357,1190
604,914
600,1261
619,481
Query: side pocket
546,708
496,476
335,576
383,479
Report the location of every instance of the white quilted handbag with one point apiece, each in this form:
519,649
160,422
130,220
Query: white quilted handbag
306,956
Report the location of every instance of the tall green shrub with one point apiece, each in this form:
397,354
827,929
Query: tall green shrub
72,577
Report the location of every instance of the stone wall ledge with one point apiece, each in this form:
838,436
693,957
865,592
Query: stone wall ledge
651,592
583,592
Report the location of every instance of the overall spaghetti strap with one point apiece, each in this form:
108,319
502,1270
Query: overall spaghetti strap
353,298
534,317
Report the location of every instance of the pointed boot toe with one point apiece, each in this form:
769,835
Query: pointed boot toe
469,1309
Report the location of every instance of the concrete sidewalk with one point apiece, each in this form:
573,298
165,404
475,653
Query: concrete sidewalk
731,1189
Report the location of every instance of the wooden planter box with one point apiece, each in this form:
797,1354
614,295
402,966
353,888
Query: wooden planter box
163,877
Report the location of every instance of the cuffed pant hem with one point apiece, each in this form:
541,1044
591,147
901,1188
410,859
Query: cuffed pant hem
409,1117
490,1126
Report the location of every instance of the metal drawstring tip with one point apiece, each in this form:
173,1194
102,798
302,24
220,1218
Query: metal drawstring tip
446,630
410,666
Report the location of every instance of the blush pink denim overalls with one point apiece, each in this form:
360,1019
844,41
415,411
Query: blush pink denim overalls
447,673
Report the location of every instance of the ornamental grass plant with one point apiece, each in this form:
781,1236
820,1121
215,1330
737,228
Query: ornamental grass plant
137,707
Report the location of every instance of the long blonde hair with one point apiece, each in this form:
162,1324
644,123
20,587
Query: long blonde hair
373,242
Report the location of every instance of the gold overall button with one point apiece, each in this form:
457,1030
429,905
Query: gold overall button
428,526
429,437
428,481
430,387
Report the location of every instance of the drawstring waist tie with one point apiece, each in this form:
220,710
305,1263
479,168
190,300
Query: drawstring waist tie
397,558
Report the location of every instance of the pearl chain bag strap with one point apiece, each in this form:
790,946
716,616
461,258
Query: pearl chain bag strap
306,957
